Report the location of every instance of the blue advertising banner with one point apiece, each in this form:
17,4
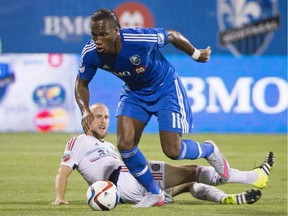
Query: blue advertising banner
242,89
246,27
227,94
234,95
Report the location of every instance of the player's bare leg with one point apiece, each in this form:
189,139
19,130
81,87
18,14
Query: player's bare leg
177,175
129,131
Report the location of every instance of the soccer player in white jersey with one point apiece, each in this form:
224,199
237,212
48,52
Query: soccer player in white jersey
96,159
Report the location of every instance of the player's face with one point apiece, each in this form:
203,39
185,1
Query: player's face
104,36
100,123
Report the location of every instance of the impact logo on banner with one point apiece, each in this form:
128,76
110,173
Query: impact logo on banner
6,78
247,26
134,14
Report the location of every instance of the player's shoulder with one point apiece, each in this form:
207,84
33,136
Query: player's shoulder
90,140
89,49
141,31
146,35
81,139
76,139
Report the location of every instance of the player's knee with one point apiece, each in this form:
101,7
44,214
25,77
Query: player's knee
124,144
173,154
171,144
171,149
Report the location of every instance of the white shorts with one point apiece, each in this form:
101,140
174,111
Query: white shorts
131,191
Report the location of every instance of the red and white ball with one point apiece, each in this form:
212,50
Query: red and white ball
102,196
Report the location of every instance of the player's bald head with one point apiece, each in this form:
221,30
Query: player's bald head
97,107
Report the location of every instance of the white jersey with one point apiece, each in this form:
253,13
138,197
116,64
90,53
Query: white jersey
96,160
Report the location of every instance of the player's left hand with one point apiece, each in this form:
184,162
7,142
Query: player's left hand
59,201
87,119
204,54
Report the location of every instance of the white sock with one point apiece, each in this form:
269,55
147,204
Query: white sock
245,177
208,175
206,192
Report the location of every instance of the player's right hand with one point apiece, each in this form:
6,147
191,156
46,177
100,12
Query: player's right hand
59,201
87,120
204,55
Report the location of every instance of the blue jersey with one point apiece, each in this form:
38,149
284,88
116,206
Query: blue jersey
151,84
139,64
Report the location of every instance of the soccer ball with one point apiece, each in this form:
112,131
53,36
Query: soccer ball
102,196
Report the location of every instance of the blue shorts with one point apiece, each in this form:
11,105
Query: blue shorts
172,108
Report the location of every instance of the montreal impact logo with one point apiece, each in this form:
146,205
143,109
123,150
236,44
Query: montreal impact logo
247,26
6,79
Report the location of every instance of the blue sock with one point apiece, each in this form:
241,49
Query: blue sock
193,150
137,165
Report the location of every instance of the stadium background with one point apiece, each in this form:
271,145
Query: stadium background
242,89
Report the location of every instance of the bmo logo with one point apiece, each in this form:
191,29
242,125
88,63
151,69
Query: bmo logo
134,14
268,95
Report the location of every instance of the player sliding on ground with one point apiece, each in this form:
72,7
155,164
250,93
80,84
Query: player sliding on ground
96,159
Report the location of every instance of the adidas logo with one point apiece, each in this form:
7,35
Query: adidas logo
106,67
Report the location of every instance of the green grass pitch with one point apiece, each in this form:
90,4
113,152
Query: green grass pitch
29,162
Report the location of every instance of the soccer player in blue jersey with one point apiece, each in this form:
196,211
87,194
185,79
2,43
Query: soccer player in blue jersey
151,87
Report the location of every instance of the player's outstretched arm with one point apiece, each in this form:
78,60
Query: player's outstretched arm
60,185
82,96
183,44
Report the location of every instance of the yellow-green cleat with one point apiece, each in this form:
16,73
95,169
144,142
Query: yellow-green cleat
264,171
248,197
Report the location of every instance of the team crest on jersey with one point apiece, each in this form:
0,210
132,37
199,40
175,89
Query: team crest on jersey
247,26
135,59
140,69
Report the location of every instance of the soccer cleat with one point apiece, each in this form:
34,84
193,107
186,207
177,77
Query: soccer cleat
218,161
150,200
268,163
264,171
248,197
168,195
